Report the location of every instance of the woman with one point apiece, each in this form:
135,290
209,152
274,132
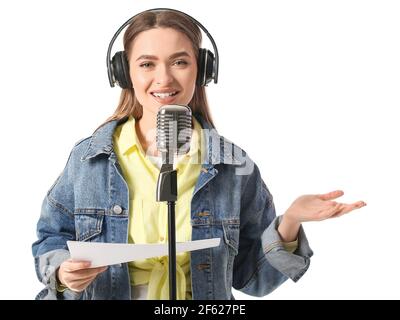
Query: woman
106,192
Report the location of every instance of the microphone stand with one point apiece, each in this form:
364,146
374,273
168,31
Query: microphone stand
167,191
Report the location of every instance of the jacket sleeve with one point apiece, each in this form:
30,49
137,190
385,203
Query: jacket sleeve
55,226
262,263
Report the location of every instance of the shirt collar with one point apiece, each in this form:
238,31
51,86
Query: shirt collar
127,139
101,142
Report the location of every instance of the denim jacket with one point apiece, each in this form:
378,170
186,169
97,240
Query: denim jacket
89,202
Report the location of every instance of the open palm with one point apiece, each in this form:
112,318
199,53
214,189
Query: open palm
317,207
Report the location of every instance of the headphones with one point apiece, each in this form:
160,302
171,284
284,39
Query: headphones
118,66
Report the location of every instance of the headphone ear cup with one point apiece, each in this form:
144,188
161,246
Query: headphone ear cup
205,66
200,81
209,66
120,67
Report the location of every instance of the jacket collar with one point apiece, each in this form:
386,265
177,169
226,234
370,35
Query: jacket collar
218,149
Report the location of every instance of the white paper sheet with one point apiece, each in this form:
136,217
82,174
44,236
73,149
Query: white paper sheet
105,254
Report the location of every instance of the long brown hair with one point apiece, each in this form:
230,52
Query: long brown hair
128,104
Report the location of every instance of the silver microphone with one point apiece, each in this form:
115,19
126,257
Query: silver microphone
174,131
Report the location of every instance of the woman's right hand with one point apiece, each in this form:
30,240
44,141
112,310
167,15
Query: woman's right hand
77,275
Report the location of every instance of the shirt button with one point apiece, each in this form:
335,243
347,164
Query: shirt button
161,238
117,209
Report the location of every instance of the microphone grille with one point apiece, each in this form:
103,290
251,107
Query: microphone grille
174,129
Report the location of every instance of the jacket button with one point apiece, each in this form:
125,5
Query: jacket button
117,209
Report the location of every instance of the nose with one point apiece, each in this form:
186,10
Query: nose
163,75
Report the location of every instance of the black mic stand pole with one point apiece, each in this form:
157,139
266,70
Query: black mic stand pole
167,191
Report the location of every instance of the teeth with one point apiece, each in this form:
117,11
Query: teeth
163,95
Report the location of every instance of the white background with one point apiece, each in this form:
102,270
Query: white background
309,88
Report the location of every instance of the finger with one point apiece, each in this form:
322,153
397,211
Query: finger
74,280
70,265
331,195
360,204
350,207
94,272
327,213
91,274
81,284
85,273
355,205
341,212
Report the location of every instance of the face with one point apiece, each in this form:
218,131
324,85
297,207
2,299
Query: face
163,69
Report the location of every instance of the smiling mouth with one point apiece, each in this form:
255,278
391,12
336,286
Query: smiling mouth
164,95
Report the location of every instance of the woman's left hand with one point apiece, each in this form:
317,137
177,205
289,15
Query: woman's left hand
317,207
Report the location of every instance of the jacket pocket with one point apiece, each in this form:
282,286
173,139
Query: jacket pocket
88,223
231,235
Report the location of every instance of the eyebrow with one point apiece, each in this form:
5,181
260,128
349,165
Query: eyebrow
172,56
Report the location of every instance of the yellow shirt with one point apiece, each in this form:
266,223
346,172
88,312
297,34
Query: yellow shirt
148,219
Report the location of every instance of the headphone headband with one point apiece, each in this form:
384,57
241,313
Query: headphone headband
109,65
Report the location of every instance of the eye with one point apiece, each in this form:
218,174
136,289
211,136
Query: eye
146,65
180,62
